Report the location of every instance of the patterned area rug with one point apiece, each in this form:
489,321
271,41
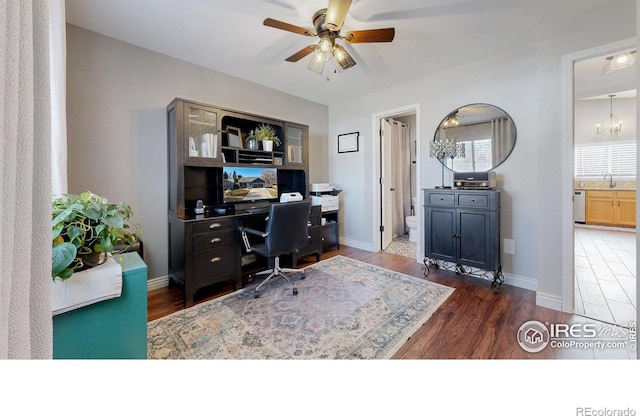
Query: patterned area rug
345,309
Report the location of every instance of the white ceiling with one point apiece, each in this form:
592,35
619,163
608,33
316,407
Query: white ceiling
228,36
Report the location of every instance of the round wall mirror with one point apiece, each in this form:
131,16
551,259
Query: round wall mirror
483,134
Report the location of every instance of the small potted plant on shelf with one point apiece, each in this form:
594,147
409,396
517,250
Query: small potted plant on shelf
266,134
86,229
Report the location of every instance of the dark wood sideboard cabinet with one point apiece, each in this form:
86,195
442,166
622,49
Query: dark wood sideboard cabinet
462,228
204,142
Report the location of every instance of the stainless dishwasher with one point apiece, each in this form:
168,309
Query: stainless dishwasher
579,206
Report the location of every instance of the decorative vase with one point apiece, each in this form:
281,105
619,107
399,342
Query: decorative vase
251,143
267,145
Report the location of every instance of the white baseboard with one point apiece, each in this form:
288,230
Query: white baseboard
157,283
357,244
549,301
520,281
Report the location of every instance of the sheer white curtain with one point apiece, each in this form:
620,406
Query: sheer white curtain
401,165
501,138
25,194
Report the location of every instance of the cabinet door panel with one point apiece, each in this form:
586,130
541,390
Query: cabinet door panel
600,210
440,234
201,135
473,238
296,144
626,212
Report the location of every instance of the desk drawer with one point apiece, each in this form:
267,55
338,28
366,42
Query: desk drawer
441,199
204,241
214,265
213,225
475,201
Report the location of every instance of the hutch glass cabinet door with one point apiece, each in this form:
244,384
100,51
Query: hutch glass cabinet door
295,144
202,132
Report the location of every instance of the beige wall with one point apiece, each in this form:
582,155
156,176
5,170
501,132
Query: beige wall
116,99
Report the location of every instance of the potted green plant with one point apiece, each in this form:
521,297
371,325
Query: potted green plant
266,134
86,228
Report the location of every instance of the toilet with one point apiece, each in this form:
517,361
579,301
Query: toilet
412,222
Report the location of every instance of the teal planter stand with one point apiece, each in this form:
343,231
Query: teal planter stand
111,329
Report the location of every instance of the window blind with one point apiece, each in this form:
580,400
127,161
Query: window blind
595,160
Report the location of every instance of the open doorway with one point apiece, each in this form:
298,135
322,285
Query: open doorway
604,187
398,197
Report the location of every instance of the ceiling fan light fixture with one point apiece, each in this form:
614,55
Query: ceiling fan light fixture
328,23
336,13
316,65
342,58
451,120
323,49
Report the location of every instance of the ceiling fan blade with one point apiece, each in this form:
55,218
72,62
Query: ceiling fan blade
368,36
301,53
287,26
336,12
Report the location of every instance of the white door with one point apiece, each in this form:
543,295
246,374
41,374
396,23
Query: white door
386,183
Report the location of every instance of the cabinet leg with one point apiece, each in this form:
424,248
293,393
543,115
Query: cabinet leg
429,264
498,279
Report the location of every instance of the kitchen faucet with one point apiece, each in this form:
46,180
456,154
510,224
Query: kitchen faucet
612,184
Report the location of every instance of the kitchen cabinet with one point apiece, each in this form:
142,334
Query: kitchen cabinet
462,227
611,207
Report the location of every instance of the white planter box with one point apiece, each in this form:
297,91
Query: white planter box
87,287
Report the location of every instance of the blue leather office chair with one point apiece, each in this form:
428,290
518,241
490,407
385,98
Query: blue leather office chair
286,232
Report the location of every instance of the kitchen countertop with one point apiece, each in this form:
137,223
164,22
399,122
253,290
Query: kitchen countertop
604,189
603,185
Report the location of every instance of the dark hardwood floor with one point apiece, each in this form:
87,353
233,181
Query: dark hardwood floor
474,322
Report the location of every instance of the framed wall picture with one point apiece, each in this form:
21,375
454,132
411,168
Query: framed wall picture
348,142
234,136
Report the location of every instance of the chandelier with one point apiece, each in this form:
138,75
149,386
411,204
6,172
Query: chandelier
609,126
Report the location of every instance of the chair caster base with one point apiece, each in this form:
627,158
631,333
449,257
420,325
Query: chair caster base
256,295
295,290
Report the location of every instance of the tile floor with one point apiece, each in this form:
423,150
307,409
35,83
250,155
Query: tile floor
605,273
402,246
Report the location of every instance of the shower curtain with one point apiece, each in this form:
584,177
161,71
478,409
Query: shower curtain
401,166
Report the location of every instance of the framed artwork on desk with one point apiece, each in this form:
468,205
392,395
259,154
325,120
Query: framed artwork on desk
348,142
234,137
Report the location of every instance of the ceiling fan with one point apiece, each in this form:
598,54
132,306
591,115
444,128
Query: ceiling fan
328,23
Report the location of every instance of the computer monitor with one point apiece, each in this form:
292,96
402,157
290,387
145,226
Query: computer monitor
249,184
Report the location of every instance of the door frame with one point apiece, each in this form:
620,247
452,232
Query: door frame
376,163
568,279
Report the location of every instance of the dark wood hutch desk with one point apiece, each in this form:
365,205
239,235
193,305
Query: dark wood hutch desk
204,142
